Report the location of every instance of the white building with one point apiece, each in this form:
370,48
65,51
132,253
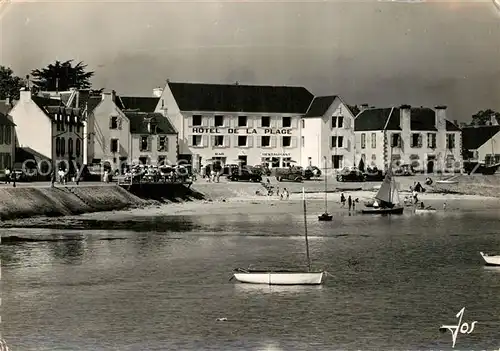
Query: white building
481,144
327,134
236,123
421,137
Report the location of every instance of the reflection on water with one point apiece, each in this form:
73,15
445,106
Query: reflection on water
394,282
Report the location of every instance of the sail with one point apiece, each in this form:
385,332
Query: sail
385,192
395,194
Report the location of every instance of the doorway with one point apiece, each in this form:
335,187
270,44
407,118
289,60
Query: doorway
337,161
430,163
242,160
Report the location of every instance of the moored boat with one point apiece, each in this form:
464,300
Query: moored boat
279,277
283,277
387,199
325,217
491,260
425,210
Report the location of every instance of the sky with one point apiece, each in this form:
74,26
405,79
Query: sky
380,53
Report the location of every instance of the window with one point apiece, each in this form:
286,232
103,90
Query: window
303,123
144,143
196,120
219,140
334,141
340,122
70,146
265,141
363,140
431,140
416,140
265,121
58,147
287,122
287,141
334,122
162,160
197,140
287,161
340,141
62,145
219,121
450,141
70,126
114,145
374,140
242,121
242,139
396,140
162,143
113,122
1,134
302,141
78,147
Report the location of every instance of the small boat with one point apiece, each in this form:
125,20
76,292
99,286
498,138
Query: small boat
493,260
387,196
283,277
447,181
425,210
325,217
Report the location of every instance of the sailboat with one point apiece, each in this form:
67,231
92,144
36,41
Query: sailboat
325,216
387,198
283,277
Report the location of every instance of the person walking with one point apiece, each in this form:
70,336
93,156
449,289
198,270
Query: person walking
349,202
342,199
7,175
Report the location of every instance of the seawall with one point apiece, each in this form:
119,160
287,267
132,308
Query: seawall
22,202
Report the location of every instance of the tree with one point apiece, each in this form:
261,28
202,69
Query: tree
61,76
483,117
10,85
354,109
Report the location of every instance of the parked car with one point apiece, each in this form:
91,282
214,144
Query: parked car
312,171
295,174
263,169
351,175
374,175
245,175
404,170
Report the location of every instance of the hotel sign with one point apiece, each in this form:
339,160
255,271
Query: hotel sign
270,131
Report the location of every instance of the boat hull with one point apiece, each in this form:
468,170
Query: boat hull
325,217
280,278
491,260
378,210
424,211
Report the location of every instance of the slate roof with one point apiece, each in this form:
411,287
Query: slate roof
138,123
320,105
377,119
241,98
139,104
5,121
422,119
27,153
92,103
474,137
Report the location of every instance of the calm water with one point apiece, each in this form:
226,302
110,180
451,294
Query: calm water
394,282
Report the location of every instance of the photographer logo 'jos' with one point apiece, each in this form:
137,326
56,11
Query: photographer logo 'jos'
463,328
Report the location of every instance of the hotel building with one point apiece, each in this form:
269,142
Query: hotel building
271,125
421,137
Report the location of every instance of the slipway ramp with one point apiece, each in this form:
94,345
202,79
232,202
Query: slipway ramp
226,190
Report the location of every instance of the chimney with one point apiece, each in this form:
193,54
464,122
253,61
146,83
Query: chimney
113,95
77,97
455,122
405,119
440,118
493,120
7,101
157,92
237,83
24,94
363,107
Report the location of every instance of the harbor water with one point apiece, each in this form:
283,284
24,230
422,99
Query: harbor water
162,283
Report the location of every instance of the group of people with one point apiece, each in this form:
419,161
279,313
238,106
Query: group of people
350,202
212,173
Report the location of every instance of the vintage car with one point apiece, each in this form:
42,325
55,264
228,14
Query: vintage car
294,174
245,174
351,175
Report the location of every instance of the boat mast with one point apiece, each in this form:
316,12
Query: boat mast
326,177
305,230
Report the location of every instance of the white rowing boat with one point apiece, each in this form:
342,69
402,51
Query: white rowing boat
493,260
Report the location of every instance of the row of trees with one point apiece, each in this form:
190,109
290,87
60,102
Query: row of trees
56,76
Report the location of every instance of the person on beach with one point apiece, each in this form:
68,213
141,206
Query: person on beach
287,194
342,199
7,175
415,196
52,178
349,202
